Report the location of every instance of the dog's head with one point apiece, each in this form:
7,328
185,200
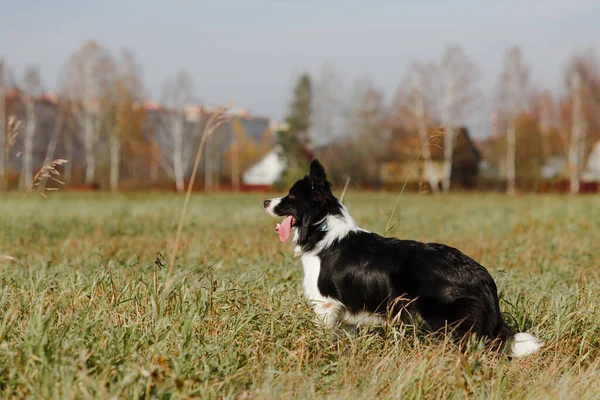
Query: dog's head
305,207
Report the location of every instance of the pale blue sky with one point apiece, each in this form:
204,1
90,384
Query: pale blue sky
253,50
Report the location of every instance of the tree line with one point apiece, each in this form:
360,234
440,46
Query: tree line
101,121
530,127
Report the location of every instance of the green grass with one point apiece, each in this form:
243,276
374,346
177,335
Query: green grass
81,316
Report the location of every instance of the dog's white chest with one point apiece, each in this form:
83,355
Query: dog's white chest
312,268
328,310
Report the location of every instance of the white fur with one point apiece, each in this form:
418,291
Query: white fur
297,249
524,344
329,311
271,207
312,268
338,227
363,318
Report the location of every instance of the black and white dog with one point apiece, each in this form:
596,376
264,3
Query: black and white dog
358,277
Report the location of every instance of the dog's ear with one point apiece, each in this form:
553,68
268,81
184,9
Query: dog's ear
317,171
321,187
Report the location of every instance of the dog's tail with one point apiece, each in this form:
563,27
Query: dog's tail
521,344
524,344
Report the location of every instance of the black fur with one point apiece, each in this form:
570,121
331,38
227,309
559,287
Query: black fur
367,272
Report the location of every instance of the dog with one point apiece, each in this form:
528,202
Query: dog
357,277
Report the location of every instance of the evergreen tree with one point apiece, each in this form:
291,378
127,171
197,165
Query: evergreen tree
294,142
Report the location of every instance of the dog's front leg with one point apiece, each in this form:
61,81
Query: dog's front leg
330,314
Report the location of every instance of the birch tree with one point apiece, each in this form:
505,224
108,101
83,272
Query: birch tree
32,89
2,125
583,88
458,74
176,137
368,131
213,147
238,137
545,123
577,130
114,125
208,165
419,74
125,92
328,107
6,141
514,92
69,151
88,74
57,129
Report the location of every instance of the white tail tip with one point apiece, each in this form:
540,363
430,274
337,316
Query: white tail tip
524,344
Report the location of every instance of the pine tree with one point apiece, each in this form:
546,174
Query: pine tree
294,142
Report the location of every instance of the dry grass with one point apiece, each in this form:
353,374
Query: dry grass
81,315
48,171
217,119
12,131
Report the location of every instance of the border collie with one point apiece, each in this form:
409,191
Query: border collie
357,277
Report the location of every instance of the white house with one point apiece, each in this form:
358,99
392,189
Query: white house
592,172
266,171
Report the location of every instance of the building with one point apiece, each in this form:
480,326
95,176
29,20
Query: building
266,171
144,158
411,168
592,171
252,131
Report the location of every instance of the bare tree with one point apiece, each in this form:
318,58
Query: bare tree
7,137
208,165
328,107
32,89
513,97
367,130
2,126
212,160
69,151
115,125
89,72
239,134
583,87
545,124
577,130
216,151
420,74
125,92
59,124
155,157
175,135
458,75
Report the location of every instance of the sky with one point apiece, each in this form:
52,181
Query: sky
252,51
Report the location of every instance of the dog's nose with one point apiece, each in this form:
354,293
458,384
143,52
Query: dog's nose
266,203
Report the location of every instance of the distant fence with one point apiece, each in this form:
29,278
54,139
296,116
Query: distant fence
523,186
564,186
495,185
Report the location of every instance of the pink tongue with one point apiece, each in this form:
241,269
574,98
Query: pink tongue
285,228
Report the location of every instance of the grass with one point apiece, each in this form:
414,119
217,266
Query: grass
84,314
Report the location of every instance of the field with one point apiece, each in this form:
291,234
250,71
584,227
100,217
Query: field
85,312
